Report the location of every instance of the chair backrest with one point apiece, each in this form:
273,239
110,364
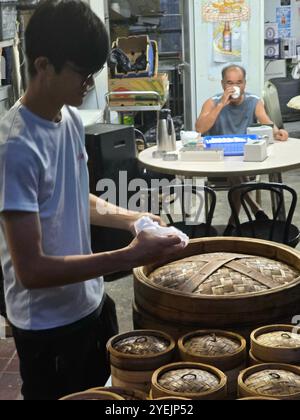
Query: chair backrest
272,104
275,188
175,201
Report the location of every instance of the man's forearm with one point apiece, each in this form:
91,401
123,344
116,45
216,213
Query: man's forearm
47,271
108,215
207,121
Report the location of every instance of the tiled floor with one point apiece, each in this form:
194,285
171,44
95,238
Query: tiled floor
10,382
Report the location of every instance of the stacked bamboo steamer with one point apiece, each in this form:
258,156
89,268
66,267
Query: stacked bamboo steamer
194,381
275,343
273,380
134,356
221,349
211,286
126,394
258,399
92,395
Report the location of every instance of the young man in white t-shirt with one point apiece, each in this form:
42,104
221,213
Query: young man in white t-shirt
54,291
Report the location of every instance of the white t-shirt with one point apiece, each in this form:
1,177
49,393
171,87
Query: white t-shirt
43,169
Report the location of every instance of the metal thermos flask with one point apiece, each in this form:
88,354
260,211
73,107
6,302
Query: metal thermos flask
166,136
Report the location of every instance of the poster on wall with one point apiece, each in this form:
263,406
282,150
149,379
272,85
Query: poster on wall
227,42
229,32
284,20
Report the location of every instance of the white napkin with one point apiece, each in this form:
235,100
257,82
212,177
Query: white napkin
148,225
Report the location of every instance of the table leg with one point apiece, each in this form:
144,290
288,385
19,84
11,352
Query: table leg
277,177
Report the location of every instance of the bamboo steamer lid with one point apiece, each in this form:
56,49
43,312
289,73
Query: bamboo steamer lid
141,350
212,285
92,395
270,380
195,381
222,349
276,343
127,394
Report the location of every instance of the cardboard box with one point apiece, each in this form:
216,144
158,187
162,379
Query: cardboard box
159,84
133,47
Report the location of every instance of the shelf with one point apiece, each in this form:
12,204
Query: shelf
135,108
7,43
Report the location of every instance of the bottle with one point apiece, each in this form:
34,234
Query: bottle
127,118
227,37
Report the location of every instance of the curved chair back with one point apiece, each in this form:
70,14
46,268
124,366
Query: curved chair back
272,104
272,225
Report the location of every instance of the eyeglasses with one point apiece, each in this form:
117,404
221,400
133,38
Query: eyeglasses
86,76
229,83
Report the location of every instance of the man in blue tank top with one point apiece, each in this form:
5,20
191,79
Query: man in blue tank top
231,112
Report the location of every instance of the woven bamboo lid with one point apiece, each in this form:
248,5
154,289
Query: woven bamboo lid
223,274
270,380
141,350
222,349
141,345
212,345
191,380
276,343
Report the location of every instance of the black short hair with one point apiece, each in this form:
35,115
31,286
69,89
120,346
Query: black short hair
66,30
233,66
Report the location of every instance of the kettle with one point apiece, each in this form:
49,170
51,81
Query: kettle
166,137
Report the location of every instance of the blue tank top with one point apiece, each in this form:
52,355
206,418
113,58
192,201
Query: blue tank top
234,119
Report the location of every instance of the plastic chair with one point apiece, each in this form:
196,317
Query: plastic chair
272,106
273,230
175,202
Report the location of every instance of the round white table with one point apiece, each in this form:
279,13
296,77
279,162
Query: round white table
282,157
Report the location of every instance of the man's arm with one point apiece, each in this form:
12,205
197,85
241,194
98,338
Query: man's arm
108,215
208,116
35,270
211,111
263,118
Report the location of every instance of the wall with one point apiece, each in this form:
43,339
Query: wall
96,98
208,82
270,15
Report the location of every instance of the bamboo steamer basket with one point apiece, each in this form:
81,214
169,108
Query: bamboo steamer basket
167,398
135,355
92,395
194,381
258,399
172,398
276,344
210,286
126,394
273,380
253,361
222,349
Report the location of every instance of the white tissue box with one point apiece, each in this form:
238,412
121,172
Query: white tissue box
256,151
187,155
264,132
